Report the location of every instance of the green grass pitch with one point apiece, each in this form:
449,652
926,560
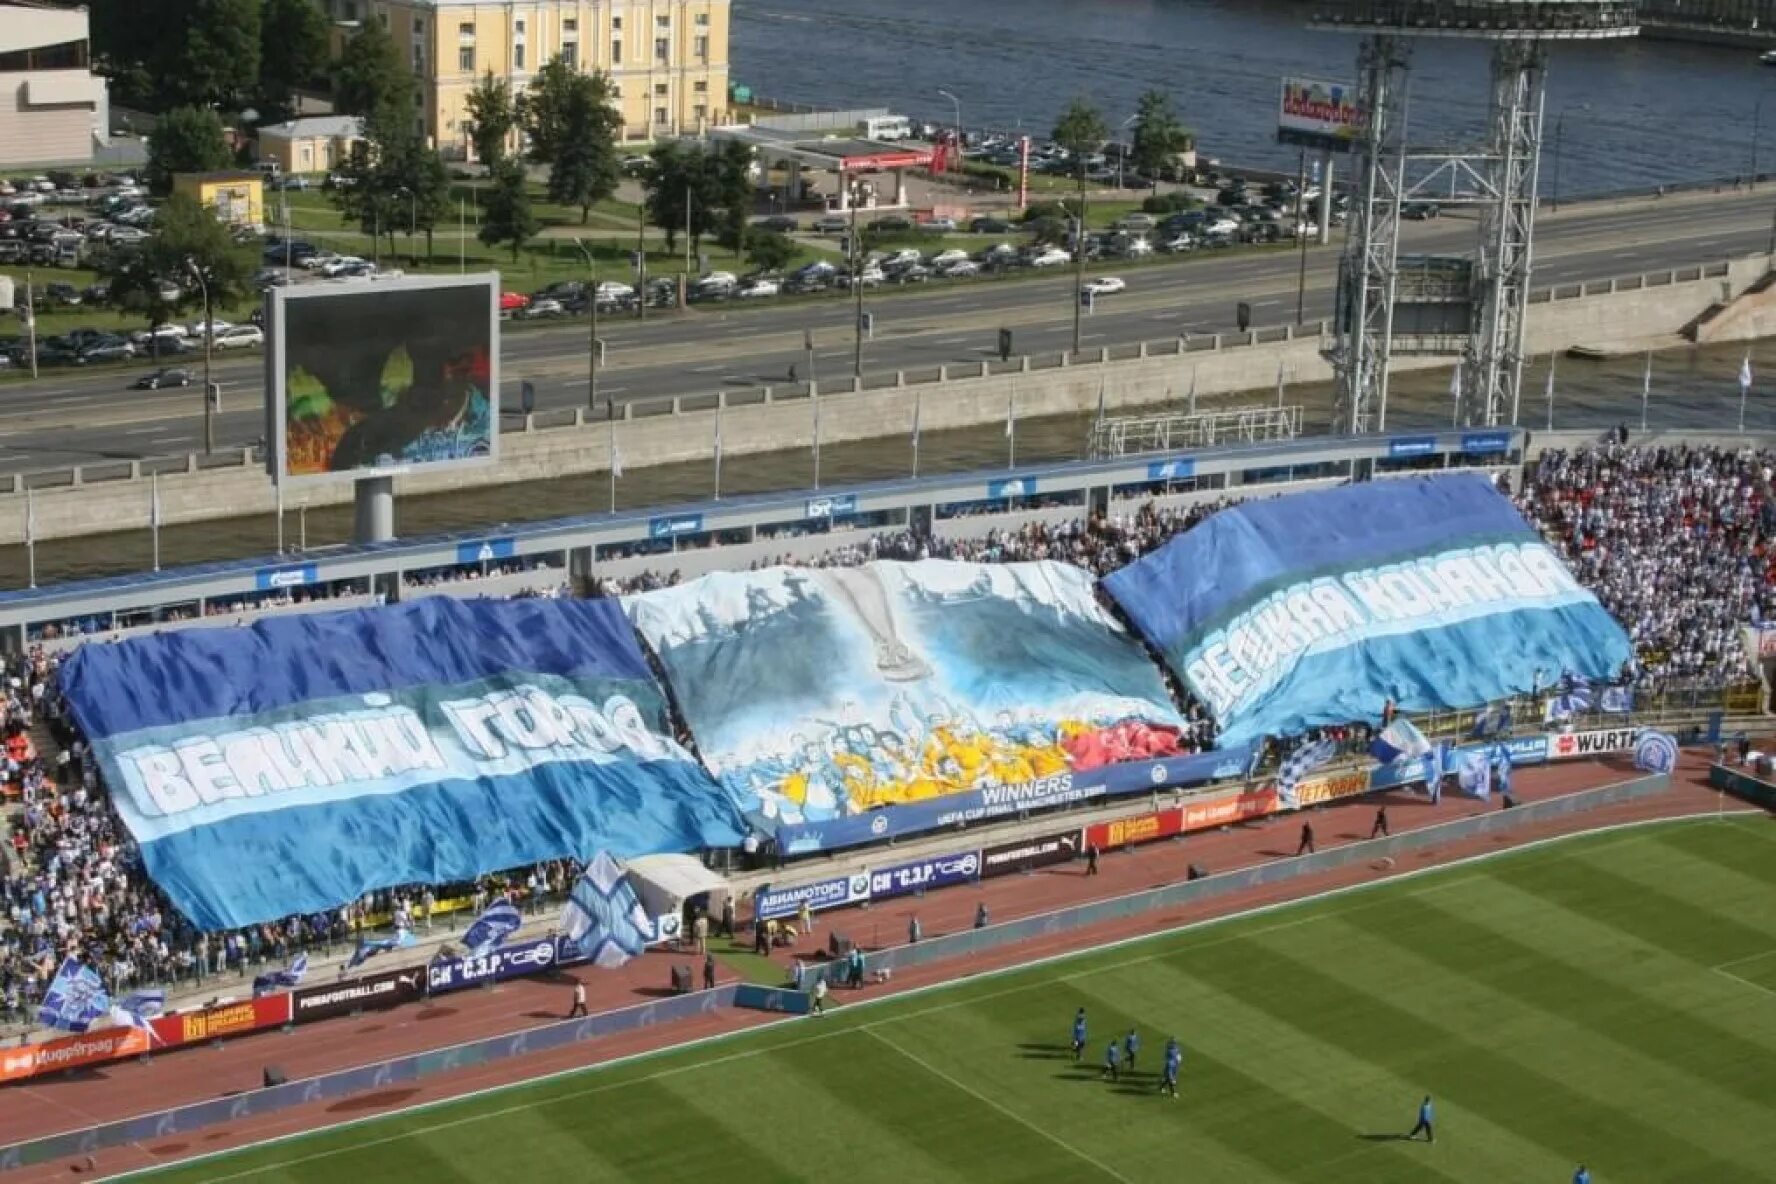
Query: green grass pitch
1609,999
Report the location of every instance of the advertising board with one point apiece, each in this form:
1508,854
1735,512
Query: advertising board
1319,114
1314,791
390,376
1228,809
937,871
1570,745
1029,854
228,1019
770,904
388,989
71,1052
521,958
1138,828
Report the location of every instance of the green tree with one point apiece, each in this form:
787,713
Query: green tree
1081,130
156,279
728,194
370,78
492,116
585,169
506,216
293,53
674,173
393,183
186,140
1159,135
769,250
220,63
543,107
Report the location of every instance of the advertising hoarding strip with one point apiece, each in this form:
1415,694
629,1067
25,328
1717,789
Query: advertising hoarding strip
1029,854
71,1052
214,1023
388,989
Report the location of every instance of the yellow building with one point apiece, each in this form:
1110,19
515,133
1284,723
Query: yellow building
317,144
667,58
236,198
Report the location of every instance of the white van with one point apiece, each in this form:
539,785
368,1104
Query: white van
886,127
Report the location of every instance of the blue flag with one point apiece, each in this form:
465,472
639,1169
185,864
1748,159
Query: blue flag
279,980
1400,740
501,920
76,997
604,917
1616,700
369,949
1299,764
1492,720
1475,774
1501,768
1655,751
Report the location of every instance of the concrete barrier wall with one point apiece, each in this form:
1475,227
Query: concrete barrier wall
186,1119
666,431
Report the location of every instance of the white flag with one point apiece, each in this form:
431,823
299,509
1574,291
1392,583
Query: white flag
1010,414
1455,384
718,431
1745,373
30,517
1549,391
918,405
154,500
616,453
816,425
1100,400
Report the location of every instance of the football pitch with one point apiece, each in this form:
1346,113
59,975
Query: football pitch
1608,1000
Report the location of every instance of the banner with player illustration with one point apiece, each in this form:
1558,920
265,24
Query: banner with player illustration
1314,609
827,697
306,760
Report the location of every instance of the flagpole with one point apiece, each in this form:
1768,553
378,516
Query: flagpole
1279,384
718,449
154,514
1646,388
616,464
30,536
1193,390
815,395
1011,428
918,406
1744,388
1550,392
1455,397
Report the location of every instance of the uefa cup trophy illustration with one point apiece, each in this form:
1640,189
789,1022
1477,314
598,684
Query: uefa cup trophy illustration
861,588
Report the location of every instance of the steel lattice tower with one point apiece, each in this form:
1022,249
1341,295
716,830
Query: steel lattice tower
1498,179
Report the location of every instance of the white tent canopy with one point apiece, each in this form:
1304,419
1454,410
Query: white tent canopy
665,882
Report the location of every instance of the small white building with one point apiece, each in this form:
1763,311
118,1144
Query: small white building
53,108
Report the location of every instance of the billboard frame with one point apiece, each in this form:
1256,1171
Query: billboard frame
1311,139
277,391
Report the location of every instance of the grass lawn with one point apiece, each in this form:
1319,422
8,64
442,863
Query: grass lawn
1579,1002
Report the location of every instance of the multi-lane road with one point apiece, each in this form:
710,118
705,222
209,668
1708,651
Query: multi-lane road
71,418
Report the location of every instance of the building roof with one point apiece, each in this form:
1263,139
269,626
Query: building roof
315,126
220,175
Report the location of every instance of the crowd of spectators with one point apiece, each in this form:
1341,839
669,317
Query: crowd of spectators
1676,543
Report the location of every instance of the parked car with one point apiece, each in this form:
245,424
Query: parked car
1107,285
240,337
961,269
542,308
990,226
1419,211
949,258
938,225
339,263
166,376
512,301
1136,221
831,224
109,348
781,223
757,288
892,224
1050,257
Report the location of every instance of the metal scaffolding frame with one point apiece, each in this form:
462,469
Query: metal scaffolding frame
1498,179
1124,435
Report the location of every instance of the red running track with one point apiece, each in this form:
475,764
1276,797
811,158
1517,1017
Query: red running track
82,1099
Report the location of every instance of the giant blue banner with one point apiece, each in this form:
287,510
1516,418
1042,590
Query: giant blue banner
1317,608
294,765
841,696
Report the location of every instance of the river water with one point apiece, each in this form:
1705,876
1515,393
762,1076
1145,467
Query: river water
1695,388
1635,113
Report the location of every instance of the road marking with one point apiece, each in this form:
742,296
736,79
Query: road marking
1724,970
703,369
603,388
1264,303
950,341
153,429
1630,830
871,1031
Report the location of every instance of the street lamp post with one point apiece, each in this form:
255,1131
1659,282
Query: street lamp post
1757,124
209,337
1121,154
856,190
412,222
1078,262
1559,130
592,346
958,144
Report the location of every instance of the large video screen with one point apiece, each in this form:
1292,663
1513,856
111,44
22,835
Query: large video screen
385,376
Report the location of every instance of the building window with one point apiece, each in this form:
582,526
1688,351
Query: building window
570,24
570,54
702,86
703,48
518,56
466,29
384,18
660,116
617,93
701,112
662,49
465,59
662,22
703,19
616,24
659,88
519,26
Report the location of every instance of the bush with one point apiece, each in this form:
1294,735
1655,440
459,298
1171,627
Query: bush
1039,210
1168,203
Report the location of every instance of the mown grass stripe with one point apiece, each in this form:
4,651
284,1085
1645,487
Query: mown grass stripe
1462,1068
1635,1052
648,1133
1245,1079
1725,846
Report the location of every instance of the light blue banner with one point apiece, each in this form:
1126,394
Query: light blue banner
833,698
295,765
1318,608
